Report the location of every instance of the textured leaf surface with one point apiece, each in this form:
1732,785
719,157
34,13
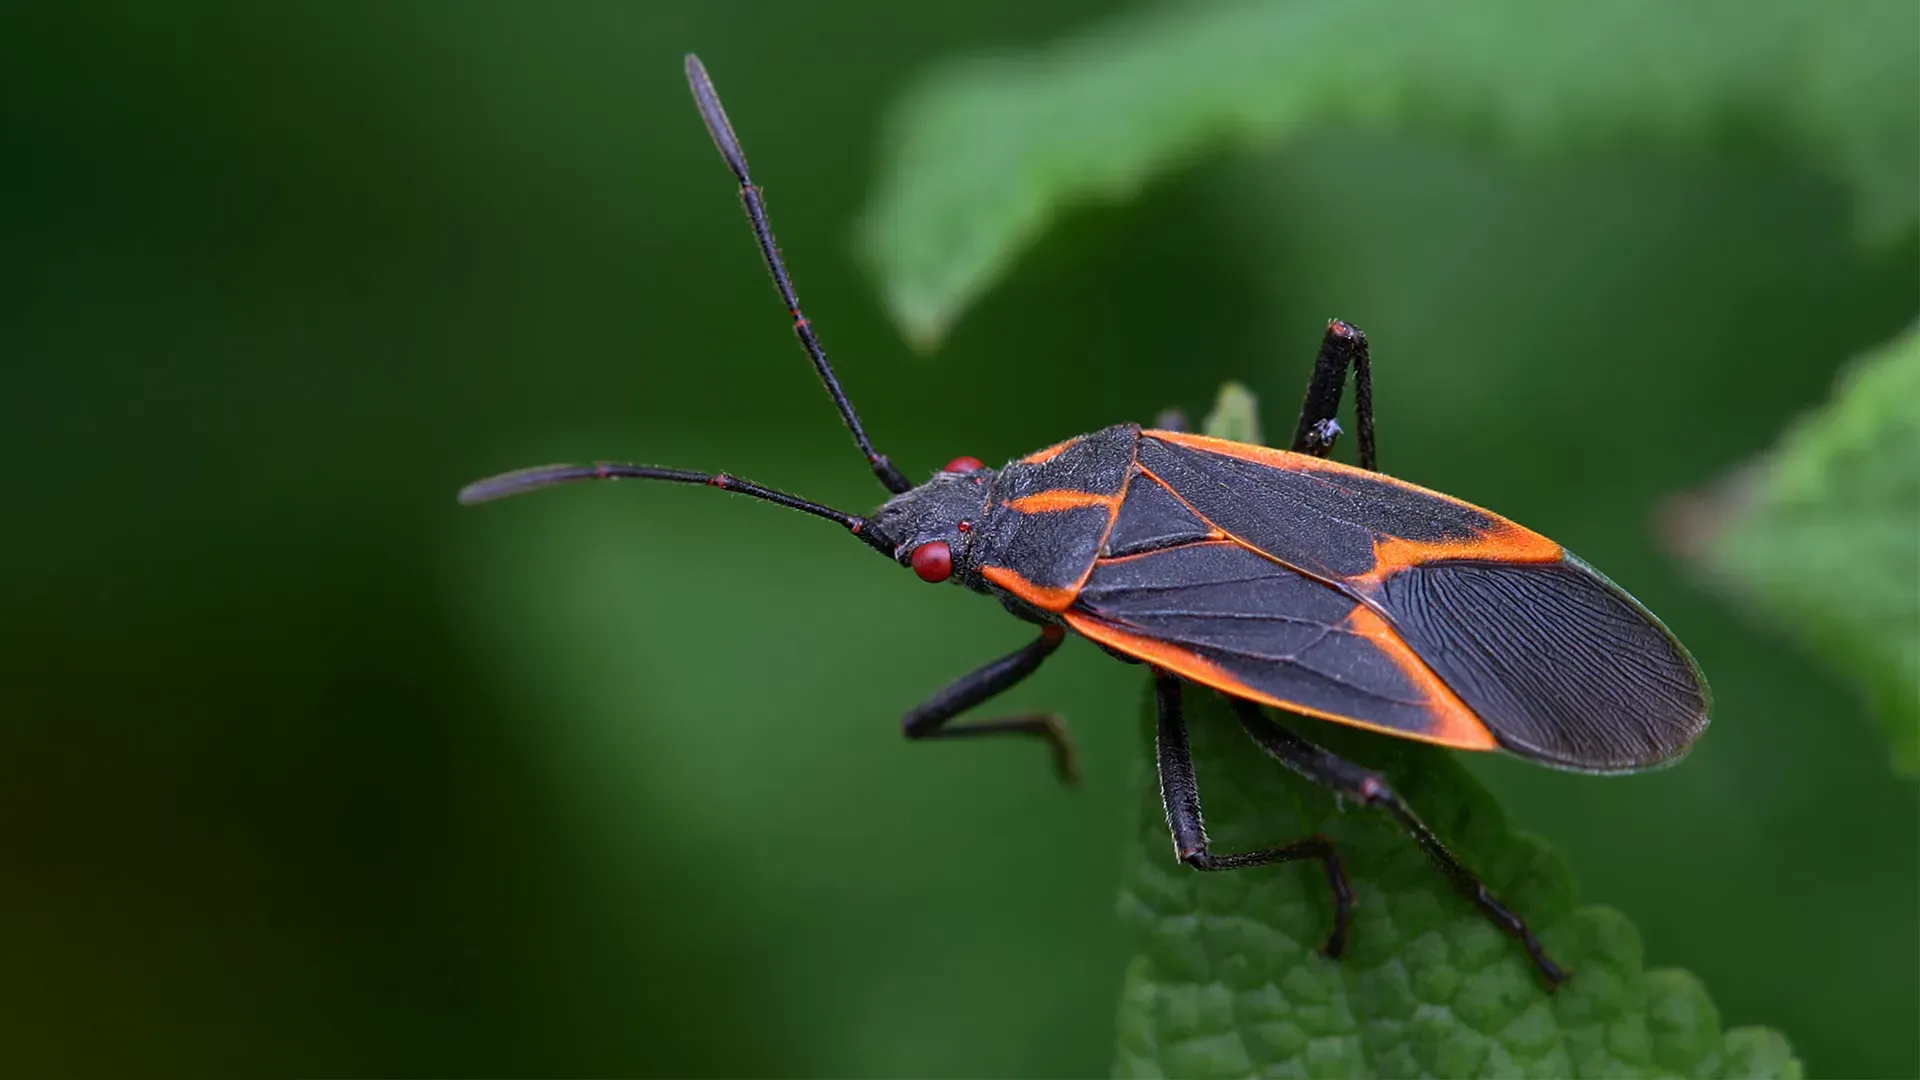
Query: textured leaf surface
985,153
1823,536
1227,979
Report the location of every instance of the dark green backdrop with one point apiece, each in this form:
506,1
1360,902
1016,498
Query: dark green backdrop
305,770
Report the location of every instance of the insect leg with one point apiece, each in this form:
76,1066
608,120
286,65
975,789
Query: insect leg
1343,344
1326,768
928,720
1180,795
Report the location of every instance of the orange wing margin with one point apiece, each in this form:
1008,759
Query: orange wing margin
1454,725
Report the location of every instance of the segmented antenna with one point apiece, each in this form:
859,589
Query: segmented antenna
728,144
545,476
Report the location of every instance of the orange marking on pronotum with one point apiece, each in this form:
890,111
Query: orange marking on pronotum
1041,457
1062,499
1053,597
1044,597
1459,730
1506,543
1455,724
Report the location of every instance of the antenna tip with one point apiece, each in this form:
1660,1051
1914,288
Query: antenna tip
519,480
707,99
478,492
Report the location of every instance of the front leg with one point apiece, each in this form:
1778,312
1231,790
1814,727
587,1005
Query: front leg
929,719
1315,434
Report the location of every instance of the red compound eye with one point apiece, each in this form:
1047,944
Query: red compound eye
965,464
934,561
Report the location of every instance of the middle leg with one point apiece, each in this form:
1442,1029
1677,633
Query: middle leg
1180,795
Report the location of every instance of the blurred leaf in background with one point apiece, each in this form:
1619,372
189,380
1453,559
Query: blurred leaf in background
306,770
1822,535
987,153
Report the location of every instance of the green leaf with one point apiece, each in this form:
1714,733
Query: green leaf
983,154
1227,979
1822,537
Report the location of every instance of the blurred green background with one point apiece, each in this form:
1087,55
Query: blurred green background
304,769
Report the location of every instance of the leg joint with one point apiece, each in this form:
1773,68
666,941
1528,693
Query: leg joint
1199,858
1373,791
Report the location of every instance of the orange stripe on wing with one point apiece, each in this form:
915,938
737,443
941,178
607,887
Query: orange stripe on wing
1214,537
1505,543
1063,499
1044,597
1300,463
1041,457
1265,455
1454,726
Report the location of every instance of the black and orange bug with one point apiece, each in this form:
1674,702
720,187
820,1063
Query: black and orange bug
1275,577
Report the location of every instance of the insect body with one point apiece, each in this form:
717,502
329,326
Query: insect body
1275,577
1316,587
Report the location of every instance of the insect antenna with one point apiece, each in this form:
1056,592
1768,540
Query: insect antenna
545,476
728,143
